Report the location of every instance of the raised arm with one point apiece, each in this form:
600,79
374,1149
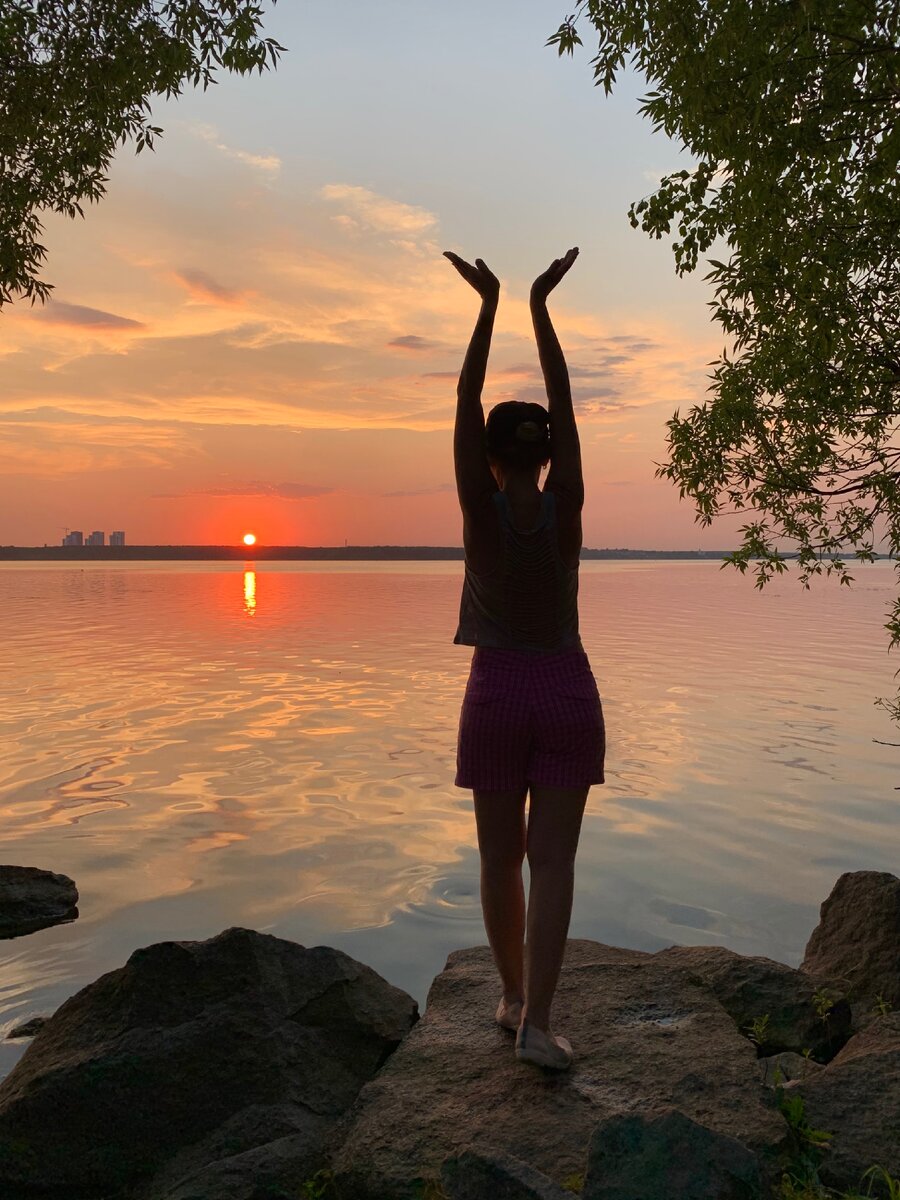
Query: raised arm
564,476
474,481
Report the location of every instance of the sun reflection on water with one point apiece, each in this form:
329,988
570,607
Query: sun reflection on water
250,593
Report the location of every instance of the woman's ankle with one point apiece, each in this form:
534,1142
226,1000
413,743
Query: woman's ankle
536,1019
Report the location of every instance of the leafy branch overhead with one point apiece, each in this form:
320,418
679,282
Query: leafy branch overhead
76,80
790,116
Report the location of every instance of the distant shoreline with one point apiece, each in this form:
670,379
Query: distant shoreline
79,554
76,554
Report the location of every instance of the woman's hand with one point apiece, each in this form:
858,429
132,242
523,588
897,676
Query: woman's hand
480,277
545,283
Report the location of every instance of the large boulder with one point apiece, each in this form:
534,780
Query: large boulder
646,1033
800,1012
856,1098
198,1052
857,939
32,899
664,1155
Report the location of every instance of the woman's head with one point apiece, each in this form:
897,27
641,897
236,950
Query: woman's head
517,435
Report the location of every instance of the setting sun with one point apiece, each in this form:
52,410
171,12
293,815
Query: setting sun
249,539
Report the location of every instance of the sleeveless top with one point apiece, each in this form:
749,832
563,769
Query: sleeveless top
529,600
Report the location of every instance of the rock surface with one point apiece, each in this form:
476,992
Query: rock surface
858,938
661,1156
856,1098
478,1175
32,899
264,1153
27,1029
646,1034
786,1068
186,1056
749,988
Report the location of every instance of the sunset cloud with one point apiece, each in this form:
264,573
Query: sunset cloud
412,341
269,164
203,287
281,491
429,491
364,209
80,316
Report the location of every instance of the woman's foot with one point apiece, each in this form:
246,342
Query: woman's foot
509,1014
533,1045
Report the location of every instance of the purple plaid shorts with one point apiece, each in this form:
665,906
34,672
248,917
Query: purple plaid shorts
530,719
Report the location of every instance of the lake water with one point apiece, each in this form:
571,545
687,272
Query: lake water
205,745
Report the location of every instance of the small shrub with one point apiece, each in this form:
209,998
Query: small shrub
319,1187
758,1030
823,1002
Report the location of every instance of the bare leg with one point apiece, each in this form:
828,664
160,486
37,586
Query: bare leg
500,817
554,824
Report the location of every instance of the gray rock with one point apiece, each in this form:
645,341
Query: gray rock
188,1044
858,938
664,1155
259,1151
856,1098
275,1171
646,1034
493,1175
748,988
27,1029
786,1068
32,899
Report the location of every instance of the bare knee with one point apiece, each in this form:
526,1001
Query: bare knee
498,860
545,860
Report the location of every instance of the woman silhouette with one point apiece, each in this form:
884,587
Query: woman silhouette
531,721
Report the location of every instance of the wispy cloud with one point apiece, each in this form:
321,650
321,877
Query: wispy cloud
281,491
203,287
58,312
364,209
412,341
270,164
429,491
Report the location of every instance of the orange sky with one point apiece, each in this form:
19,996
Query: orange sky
243,336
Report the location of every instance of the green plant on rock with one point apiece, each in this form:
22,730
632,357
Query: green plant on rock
793,1108
823,1001
801,1180
790,1190
889,1187
573,1183
757,1030
882,1006
319,1187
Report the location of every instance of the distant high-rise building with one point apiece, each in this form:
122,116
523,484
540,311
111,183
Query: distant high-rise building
97,538
74,538
117,537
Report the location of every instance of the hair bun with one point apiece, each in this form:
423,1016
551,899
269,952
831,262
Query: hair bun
529,431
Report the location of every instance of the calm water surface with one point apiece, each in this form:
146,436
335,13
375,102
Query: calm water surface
204,745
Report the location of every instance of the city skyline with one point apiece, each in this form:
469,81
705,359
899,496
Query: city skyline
97,537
